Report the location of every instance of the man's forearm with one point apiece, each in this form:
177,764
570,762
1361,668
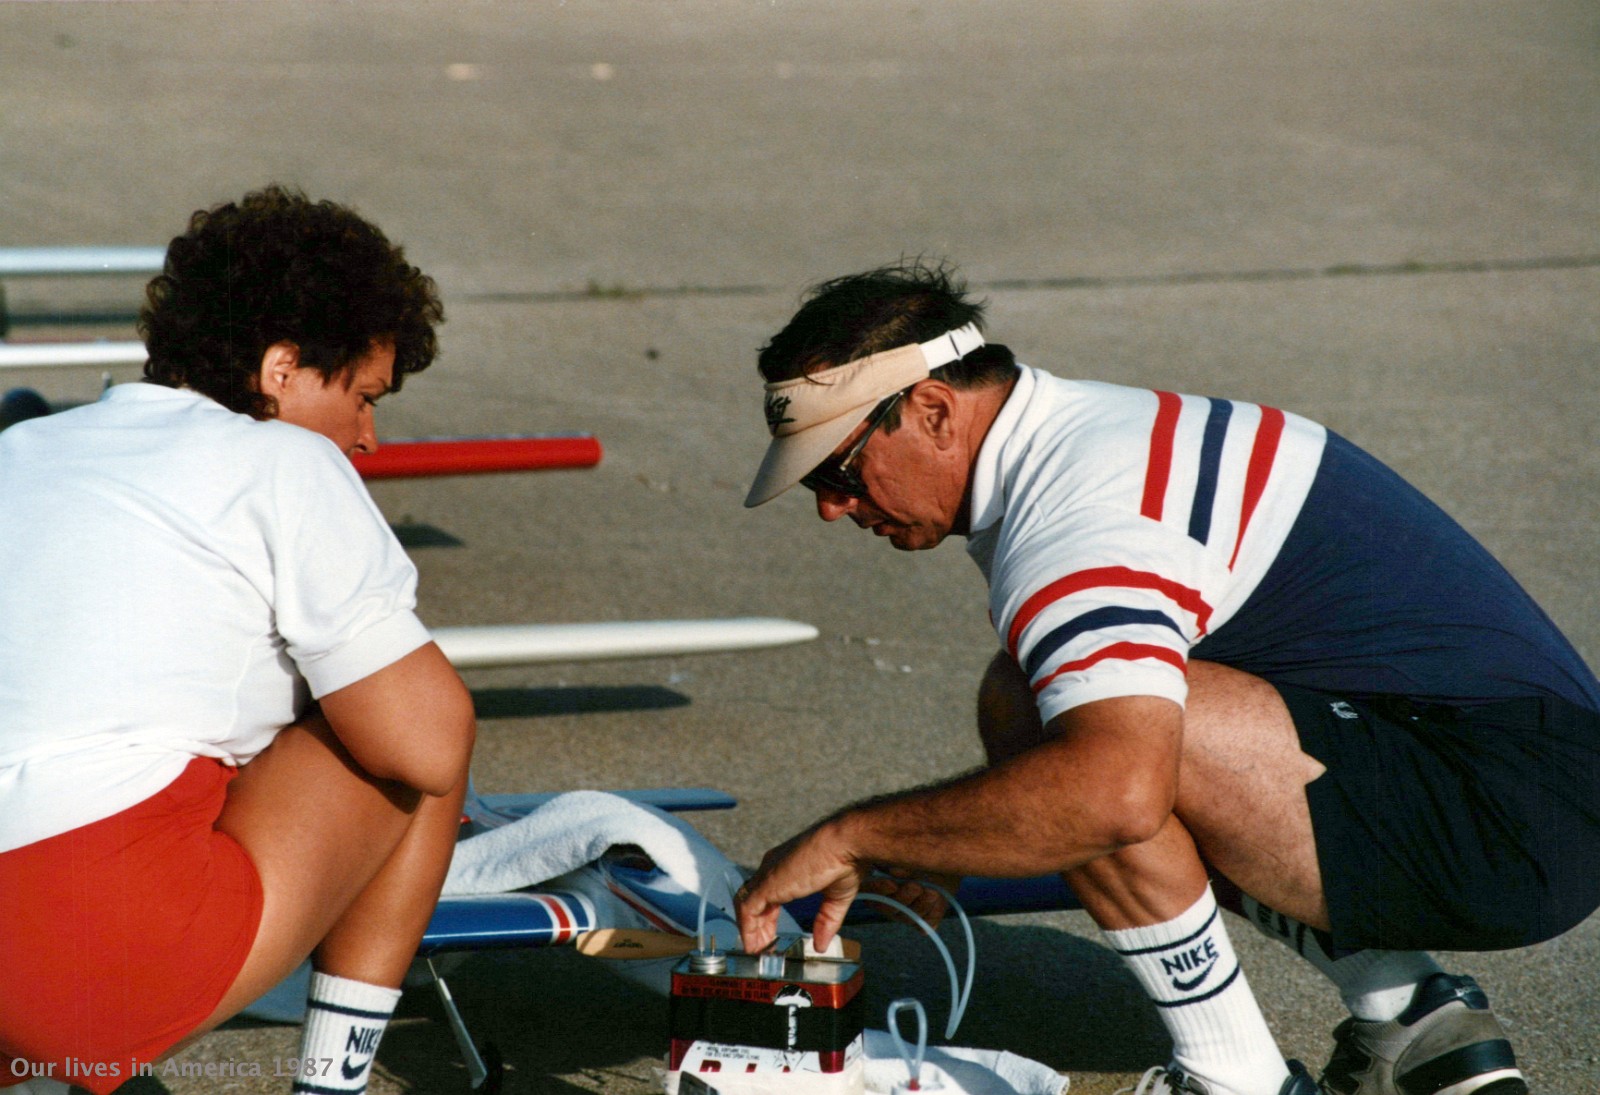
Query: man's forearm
1105,779
1037,813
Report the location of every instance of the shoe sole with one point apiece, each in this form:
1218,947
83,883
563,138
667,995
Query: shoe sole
1487,1068
1508,1082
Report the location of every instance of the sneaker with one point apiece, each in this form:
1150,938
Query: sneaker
1172,1080
1447,1042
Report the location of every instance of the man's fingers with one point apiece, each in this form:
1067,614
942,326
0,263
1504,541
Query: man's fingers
758,923
829,919
931,907
916,895
813,862
757,917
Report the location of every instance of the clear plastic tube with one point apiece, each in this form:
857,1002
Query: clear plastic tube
960,1011
913,1060
700,925
944,952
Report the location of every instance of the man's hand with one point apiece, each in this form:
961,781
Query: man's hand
912,889
1104,778
817,861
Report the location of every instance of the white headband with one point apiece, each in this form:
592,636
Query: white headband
810,415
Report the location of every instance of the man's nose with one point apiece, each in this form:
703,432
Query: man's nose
832,505
367,439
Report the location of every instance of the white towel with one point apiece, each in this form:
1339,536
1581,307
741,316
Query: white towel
956,1070
574,829
558,842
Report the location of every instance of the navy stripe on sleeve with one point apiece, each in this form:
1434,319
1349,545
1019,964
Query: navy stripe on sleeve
1096,620
1205,490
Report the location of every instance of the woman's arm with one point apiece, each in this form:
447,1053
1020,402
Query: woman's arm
411,721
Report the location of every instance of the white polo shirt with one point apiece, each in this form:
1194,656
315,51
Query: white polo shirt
176,581
1117,528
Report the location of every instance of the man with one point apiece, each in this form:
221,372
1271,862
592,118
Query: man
1233,644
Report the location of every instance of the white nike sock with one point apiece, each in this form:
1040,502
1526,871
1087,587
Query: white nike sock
345,1020
40,1085
1374,985
1188,968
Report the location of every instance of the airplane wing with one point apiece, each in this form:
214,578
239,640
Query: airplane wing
548,916
412,458
529,644
59,355
18,262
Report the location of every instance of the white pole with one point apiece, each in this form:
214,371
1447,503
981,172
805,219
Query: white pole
18,262
528,644
52,355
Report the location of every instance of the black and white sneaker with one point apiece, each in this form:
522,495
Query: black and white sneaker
1447,1042
1172,1080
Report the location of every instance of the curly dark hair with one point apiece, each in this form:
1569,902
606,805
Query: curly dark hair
850,317
278,267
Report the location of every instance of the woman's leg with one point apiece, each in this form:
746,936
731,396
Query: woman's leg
350,866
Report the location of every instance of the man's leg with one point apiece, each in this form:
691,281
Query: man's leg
1155,906
1240,741
1241,746
350,869
1412,1025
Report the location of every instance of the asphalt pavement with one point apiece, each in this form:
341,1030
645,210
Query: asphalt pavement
1383,215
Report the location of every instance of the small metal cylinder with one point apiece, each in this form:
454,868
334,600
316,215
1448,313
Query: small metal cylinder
708,962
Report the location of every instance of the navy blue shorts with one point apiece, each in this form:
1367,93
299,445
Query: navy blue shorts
1452,828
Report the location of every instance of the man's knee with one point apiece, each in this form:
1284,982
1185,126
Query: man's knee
1008,718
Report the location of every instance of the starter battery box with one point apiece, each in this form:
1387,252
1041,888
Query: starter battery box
776,1021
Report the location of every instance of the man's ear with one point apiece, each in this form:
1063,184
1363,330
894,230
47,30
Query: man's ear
933,405
277,365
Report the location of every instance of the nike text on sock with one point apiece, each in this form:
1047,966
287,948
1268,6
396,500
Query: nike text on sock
1188,968
345,1021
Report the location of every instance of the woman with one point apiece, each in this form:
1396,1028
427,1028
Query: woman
226,742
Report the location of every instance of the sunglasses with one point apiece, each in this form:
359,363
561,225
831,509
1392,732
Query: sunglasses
836,474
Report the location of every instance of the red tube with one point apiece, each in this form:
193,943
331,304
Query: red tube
475,455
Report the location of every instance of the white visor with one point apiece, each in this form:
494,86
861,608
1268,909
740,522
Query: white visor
811,415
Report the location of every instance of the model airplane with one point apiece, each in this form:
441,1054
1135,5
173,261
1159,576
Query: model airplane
599,909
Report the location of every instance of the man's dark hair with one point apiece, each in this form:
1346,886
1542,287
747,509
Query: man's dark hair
278,267
861,314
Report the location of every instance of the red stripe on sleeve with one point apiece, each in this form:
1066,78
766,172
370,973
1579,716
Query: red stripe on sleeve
1160,466
1126,652
1185,598
1262,454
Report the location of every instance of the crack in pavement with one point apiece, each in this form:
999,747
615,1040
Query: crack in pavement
1413,268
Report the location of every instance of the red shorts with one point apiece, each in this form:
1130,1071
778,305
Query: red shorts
121,937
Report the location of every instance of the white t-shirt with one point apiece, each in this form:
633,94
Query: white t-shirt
176,581
1118,527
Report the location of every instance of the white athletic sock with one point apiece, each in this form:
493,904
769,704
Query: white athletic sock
40,1085
345,1020
1188,968
1374,985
